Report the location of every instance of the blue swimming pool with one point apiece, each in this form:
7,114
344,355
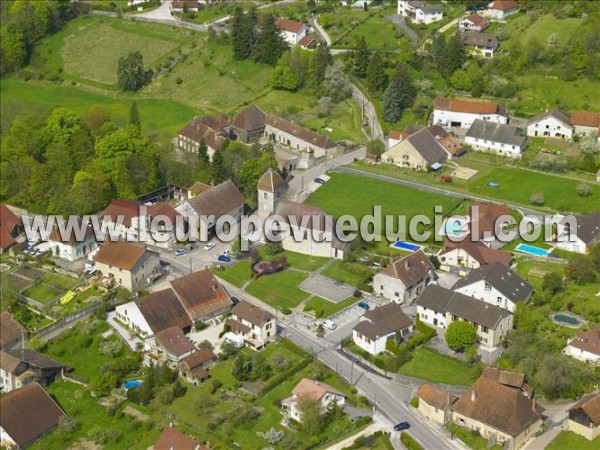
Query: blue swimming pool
408,246
532,250
567,319
132,383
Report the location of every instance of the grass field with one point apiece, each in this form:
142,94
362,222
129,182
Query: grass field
298,260
42,293
437,368
125,431
157,116
473,440
324,308
349,273
237,274
280,289
361,194
567,440
60,281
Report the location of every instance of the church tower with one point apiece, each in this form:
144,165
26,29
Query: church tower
270,190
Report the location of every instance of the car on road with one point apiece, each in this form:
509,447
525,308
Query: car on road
363,305
401,426
223,258
180,251
226,252
319,181
329,324
209,246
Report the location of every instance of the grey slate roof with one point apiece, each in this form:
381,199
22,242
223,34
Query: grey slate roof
426,144
426,7
559,114
217,201
588,227
468,308
502,278
497,132
479,39
383,321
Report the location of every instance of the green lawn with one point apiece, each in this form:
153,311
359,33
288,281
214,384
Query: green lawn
471,438
567,440
324,308
157,116
60,281
237,274
360,195
72,349
42,293
92,291
297,260
125,431
437,368
280,289
349,273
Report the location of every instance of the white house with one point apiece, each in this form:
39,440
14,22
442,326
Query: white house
310,390
257,326
70,248
480,44
449,113
585,346
404,279
291,31
305,229
583,238
420,12
379,325
584,417
497,285
473,22
440,307
504,140
499,9
554,123
467,255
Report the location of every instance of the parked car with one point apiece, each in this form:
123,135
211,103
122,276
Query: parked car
180,251
209,246
363,305
329,324
40,252
223,258
29,250
401,426
319,181
226,252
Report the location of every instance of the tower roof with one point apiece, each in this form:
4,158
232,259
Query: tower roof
271,181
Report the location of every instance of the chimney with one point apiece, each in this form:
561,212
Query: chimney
473,396
533,405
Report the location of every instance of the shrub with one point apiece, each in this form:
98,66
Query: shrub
178,80
286,311
460,335
414,402
584,190
409,442
537,199
200,326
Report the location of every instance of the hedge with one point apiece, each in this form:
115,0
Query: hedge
409,442
282,376
295,348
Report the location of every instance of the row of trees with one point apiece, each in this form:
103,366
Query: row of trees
297,69
24,22
256,37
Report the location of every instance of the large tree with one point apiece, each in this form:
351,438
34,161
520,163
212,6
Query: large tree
240,45
360,57
377,79
399,95
131,73
12,49
269,44
460,335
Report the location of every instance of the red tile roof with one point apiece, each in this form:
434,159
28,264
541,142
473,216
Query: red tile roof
120,254
478,251
201,294
435,397
313,390
504,5
477,20
585,119
488,214
129,209
171,439
467,106
199,358
308,41
410,269
289,25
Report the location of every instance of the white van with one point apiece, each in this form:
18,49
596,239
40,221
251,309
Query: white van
329,324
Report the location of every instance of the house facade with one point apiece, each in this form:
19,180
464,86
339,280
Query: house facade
22,367
305,229
310,390
434,404
194,368
585,346
461,113
420,11
130,266
555,123
379,325
249,124
473,22
480,44
420,151
496,285
292,32
206,211
440,307
257,326
584,417
503,140
70,248
208,130
580,239
586,123
495,391
466,255
404,279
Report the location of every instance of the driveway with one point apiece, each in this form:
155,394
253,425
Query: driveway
401,22
162,13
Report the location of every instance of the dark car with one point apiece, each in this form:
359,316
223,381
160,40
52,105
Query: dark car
401,426
319,180
363,305
223,258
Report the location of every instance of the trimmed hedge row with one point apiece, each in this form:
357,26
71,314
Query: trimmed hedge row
409,442
282,376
